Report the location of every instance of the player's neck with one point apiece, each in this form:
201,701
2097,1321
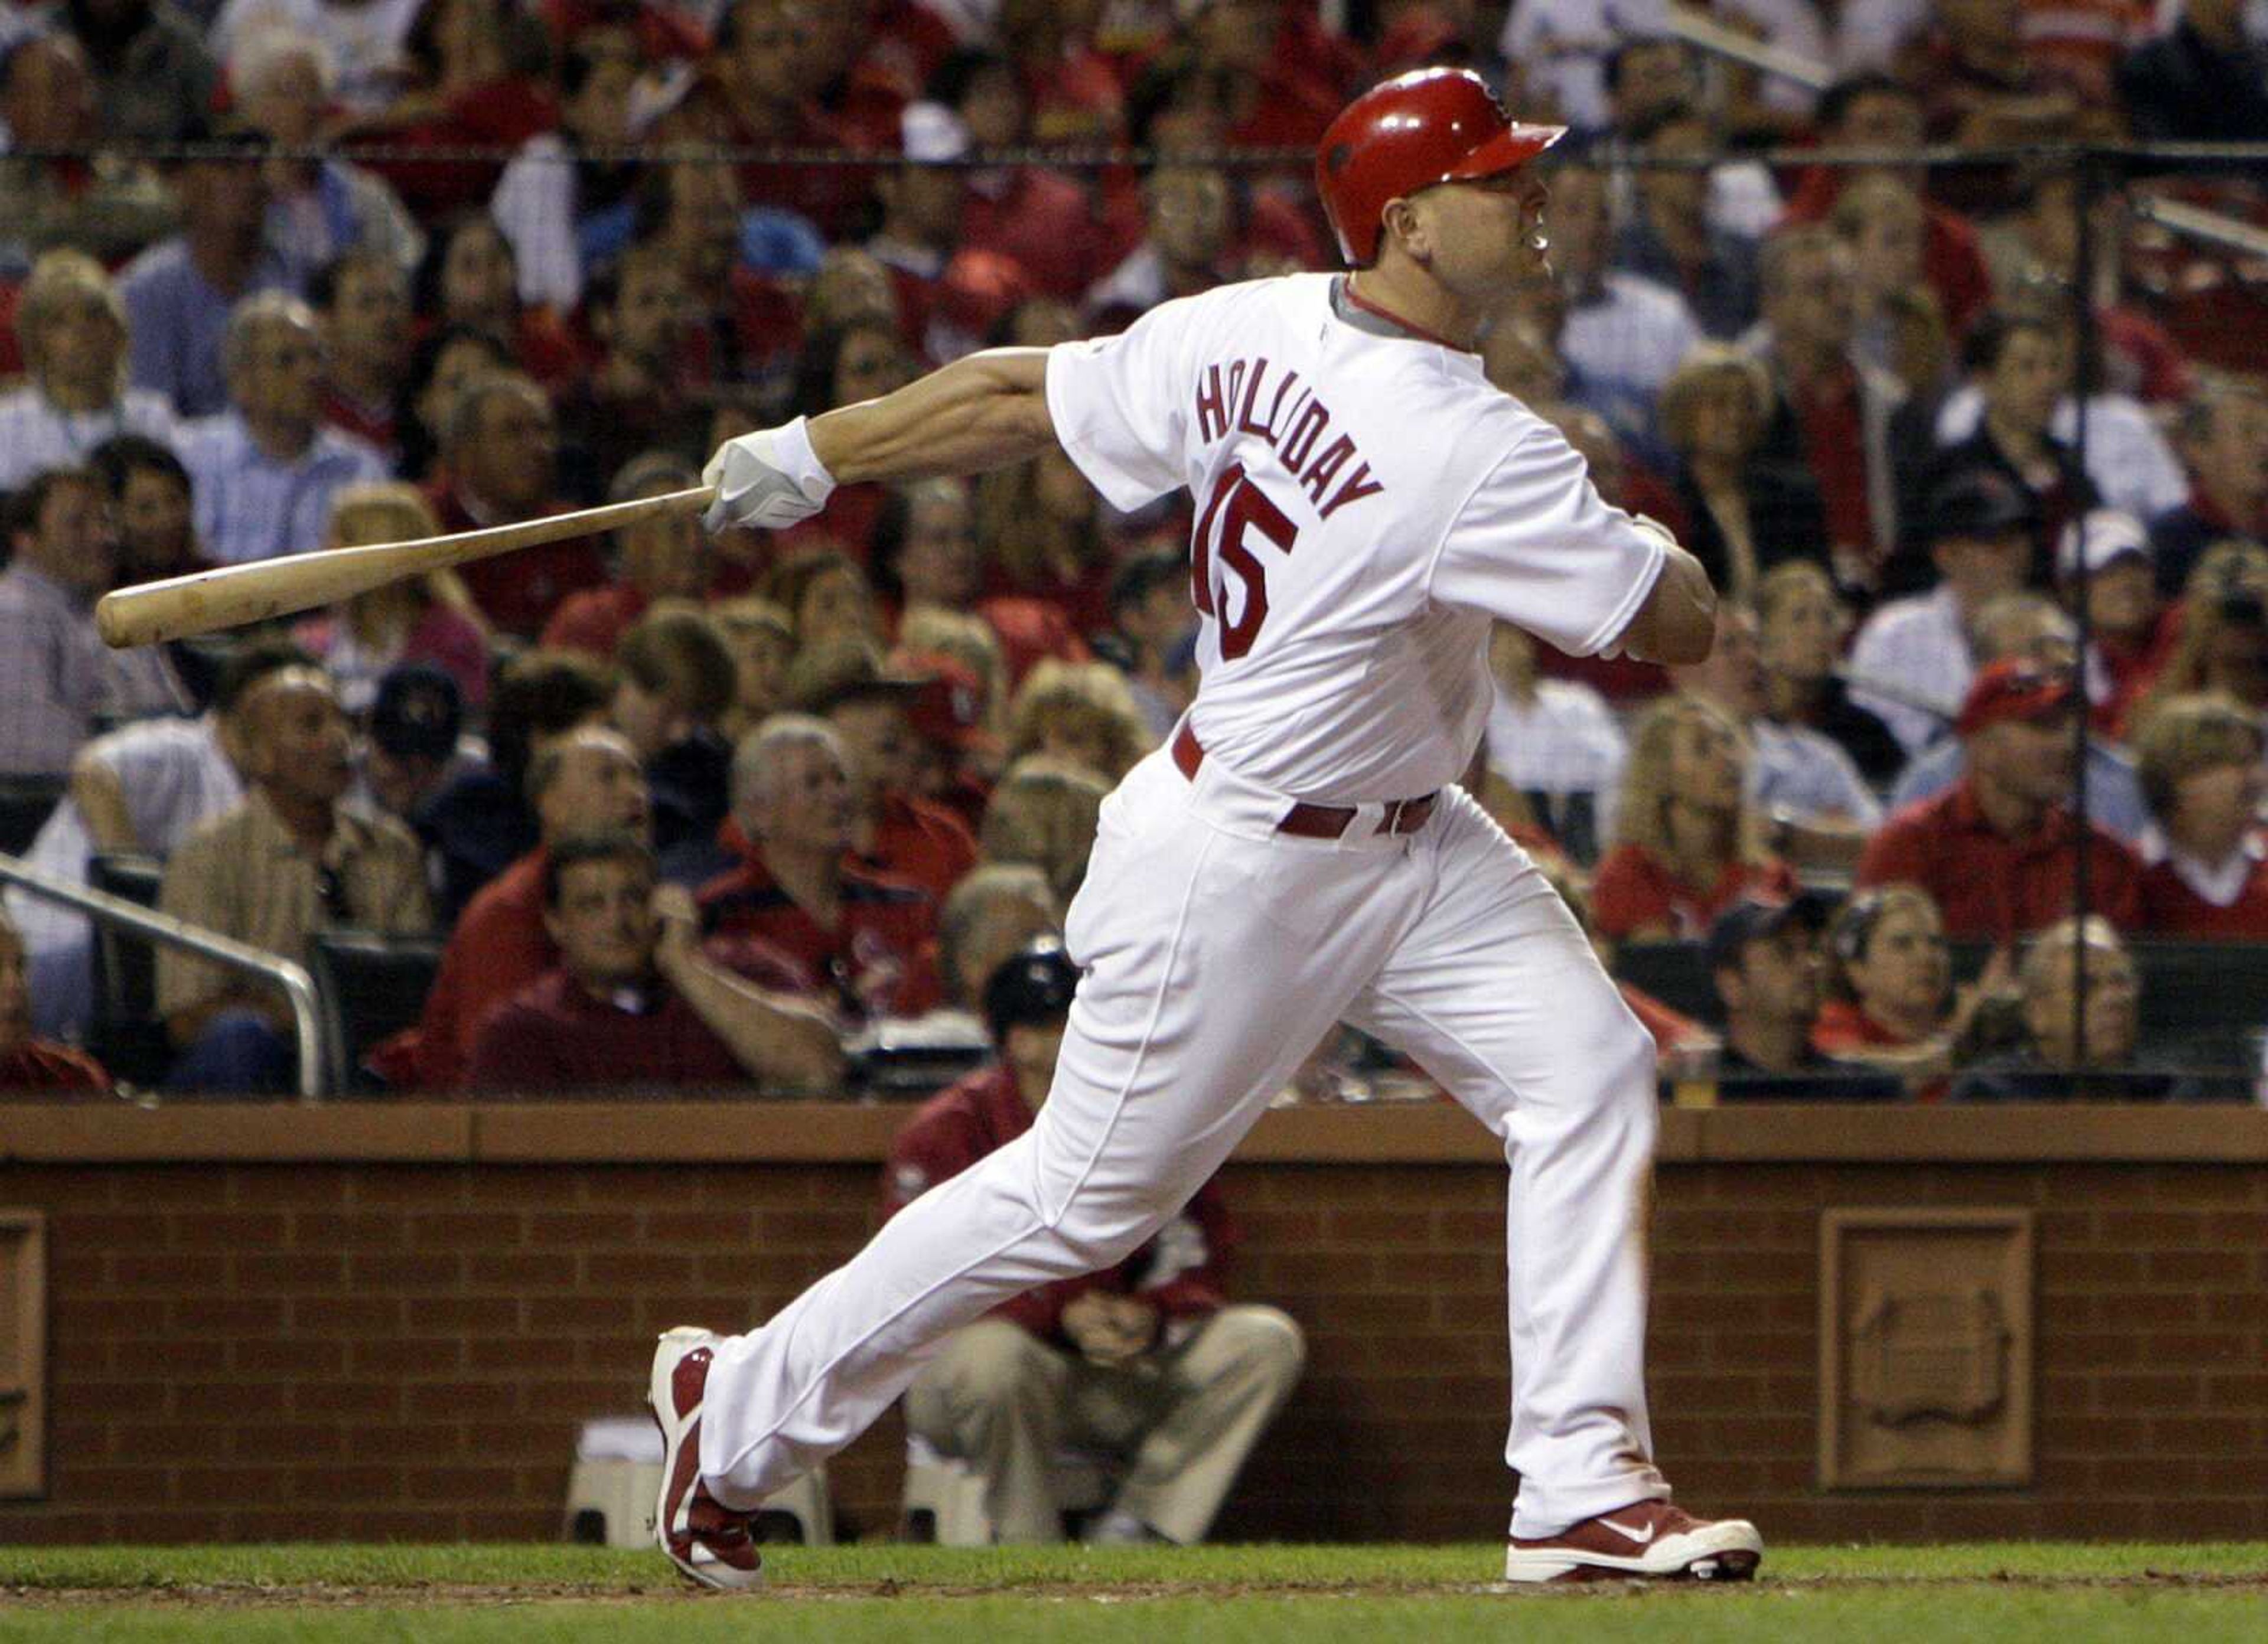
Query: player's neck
1415,303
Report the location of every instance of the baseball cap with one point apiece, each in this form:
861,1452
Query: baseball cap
930,134
948,707
1753,918
2104,535
1032,988
1980,502
417,713
844,671
2013,688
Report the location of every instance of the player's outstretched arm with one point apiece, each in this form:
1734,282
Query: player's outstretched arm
984,411
1677,624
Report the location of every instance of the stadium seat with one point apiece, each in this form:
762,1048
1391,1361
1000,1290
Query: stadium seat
369,987
125,1034
944,1501
24,804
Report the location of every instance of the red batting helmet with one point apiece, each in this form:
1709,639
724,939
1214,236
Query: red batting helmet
1427,127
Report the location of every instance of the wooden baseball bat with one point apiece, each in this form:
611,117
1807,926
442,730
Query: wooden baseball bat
205,602
1695,27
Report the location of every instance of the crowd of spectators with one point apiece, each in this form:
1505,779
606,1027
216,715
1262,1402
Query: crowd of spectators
1975,454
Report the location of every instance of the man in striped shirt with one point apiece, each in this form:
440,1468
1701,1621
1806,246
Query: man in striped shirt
265,470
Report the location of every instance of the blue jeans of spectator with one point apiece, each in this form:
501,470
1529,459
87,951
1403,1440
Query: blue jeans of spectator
239,1054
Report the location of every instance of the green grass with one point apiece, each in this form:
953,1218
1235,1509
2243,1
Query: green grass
2054,1593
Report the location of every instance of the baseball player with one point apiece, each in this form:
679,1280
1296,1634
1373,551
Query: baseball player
1296,854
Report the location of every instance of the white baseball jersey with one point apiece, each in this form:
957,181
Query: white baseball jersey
1366,502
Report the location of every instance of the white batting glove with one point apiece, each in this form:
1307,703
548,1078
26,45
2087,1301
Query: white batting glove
767,479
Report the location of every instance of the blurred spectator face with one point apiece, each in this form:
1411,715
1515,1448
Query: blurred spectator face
992,108
225,200
1980,568
514,450
648,320
2028,627
74,541
1777,979
598,113
279,376
760,659
599,786
2121,597
1810,306
703,227
298,743
666,558
870,363
1042,323
2236,662
477,278
998,932
2230,456
1886,252
462,361
1707,764
15,989
1803,635
833,34
2022,384
1083,741
1655,75
1881,119
923,203
805,803
2215,808
1580,227
1236,34
884,751
1160,619
604,922
285,101
2032,760
368,315
1734,676
2114,997
1904,969
49,97
938,562
78,350
850,288
769,40
155,522
1726,423
1031,1052
1678,190
650,720
1189,215
836,605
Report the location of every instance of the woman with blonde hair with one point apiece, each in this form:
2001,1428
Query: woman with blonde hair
1082,713
1041,526
1688,844
826,596
420,619
71,326
1748,514
2200,767
1044,814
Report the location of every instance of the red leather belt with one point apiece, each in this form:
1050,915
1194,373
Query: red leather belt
1306,821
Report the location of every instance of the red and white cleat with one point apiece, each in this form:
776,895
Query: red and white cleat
703,1537
1647,1538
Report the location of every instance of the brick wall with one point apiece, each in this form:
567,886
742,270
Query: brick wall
371,1348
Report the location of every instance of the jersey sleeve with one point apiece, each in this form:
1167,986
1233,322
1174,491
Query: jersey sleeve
1537,545
1120,407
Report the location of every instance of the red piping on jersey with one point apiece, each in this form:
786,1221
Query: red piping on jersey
1394,320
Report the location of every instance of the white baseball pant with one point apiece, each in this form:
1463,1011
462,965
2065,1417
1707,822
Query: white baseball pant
1217,953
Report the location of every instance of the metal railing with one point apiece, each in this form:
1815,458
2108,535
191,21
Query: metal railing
298,986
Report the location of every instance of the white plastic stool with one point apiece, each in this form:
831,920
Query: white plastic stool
950,1494
617,1473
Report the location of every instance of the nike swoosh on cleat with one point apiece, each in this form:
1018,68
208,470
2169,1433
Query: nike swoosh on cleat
1624,1530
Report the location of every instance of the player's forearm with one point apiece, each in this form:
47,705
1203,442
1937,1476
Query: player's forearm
984,411
1677,624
